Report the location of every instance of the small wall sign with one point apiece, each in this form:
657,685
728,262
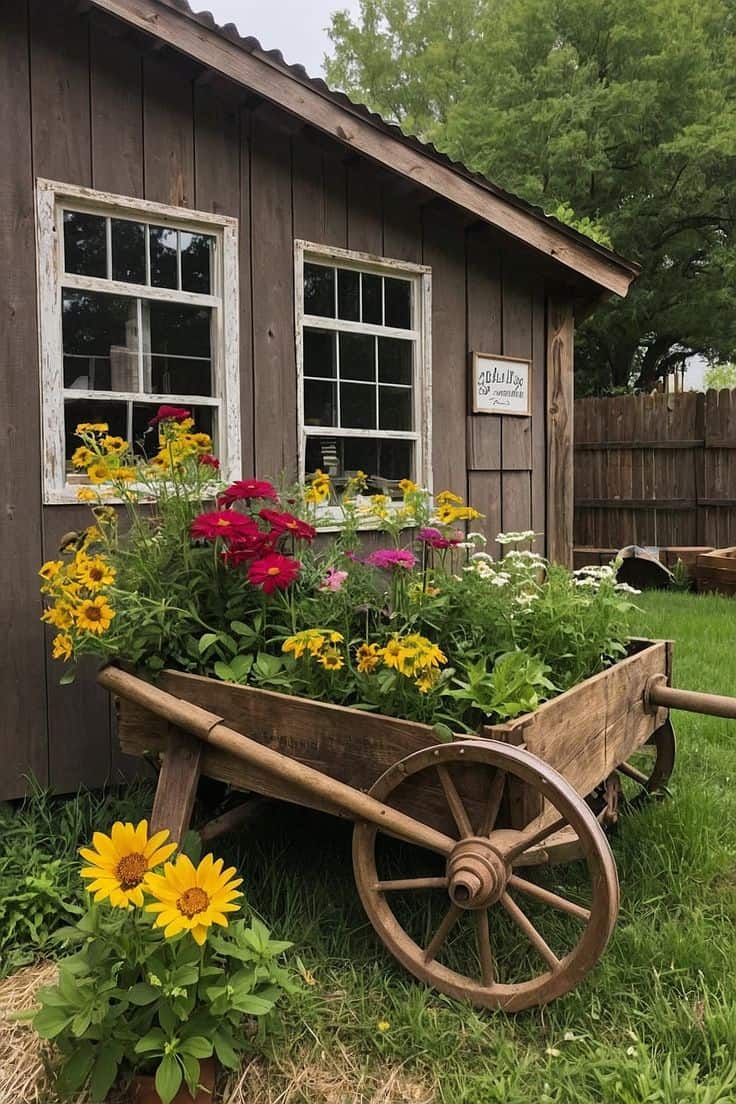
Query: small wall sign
501,385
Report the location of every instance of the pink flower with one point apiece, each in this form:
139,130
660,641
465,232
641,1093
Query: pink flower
244,489
228,524
287,523
333,580
390,558
435,539
273,572
169,413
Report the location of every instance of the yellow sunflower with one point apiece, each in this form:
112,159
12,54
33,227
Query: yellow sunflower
190,898
95,572
91,427
62,647
447,498
95,615
331,660
82,457
60,615
98,473
115,446
392,653
122,860
86,494
368,656
51,569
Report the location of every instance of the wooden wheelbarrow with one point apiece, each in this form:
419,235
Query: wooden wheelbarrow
472,900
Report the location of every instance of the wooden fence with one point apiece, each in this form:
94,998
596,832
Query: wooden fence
656,470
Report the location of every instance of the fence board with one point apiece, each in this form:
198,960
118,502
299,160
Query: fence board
656,470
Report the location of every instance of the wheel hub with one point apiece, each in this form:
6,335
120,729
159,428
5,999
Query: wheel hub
477,874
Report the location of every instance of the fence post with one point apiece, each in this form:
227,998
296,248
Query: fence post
560,387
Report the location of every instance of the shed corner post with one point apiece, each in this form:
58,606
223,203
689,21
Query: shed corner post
560,397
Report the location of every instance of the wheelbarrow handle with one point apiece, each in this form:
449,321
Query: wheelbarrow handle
658,693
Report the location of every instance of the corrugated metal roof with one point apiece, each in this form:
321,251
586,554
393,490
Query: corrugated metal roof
299,73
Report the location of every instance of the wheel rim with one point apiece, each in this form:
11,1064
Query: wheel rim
484,879
644,776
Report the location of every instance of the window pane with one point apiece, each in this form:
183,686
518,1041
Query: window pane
395,360
357,356
163,256
320,403
397,303
100,341
128,251
85,244
145,438
344,456
319,353
394,408
179,329
196,262
357,406
115,414
371,298
348,297
319,290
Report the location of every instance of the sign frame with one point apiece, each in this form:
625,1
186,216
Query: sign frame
476,358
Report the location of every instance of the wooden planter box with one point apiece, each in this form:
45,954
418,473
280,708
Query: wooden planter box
584,734
716,571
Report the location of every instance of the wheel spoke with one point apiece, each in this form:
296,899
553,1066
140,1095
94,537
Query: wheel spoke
531,839
411,883
487,971
523,922
453,800
442,933
632,772
493,803
549,898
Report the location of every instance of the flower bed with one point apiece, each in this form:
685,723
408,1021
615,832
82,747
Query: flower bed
229,581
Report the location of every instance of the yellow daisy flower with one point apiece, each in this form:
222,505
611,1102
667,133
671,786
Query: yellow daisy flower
95,572
51,569
331,660
124,474
62,647
82,457
61,616
447,498
122,860
190,898
86,494
91,427
391,654
408,486
368,656
99,473
95,615
116,446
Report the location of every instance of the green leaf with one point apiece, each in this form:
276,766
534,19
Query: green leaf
443,733
191,1072
253,1006
225,1051
104,1072
50,1022
197,1046
68,677
224,672
142,994
206,641
168,1078
75,1070
242,629
154,1040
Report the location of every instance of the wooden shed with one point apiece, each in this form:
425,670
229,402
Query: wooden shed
185,217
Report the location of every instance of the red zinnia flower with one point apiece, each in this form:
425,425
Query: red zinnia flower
244,549
245,489
228,524
287,523
210,460
273,572
166,413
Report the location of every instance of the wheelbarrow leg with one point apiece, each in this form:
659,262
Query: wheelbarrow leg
177,783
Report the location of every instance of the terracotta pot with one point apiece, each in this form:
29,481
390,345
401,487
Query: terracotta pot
143,1088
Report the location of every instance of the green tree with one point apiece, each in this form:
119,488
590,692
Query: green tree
618,116
718,376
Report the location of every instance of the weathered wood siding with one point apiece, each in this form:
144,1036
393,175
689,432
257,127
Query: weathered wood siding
85,101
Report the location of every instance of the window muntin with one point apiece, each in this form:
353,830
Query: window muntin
138,306
364,351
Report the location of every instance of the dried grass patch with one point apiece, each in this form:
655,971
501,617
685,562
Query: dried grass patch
23,1071
329,1080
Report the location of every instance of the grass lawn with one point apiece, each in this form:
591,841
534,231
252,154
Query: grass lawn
655,1023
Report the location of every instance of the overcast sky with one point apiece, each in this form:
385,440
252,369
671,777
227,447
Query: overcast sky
296,27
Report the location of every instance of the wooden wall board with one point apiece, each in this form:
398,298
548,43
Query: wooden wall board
365,207
274,352
560,502
539,418
23,737
116,89
168,130
484,334
245,247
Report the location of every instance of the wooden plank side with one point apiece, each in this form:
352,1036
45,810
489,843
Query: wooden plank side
274,352
539,420
560,500
245,277
116,89
365,208
23,738
168,122
78,715
444,252
484,335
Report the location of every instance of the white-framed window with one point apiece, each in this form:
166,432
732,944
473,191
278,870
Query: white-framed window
138,306
363,337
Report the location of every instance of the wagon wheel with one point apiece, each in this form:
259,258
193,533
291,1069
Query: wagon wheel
648,770
478,881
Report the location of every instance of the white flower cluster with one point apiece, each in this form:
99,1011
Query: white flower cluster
473,541
592,576
516,538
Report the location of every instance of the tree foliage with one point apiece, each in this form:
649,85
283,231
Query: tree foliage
618,116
